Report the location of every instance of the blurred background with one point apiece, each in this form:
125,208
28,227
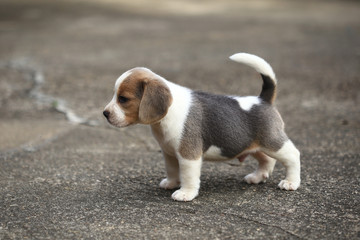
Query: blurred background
82,46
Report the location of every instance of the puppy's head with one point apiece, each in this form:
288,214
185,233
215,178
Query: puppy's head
141,96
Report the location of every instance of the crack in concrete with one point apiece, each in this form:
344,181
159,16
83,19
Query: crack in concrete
35,75
266,224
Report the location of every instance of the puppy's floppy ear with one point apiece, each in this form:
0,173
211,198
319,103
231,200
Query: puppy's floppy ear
155,101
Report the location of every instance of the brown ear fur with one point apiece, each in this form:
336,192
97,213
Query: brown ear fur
155,102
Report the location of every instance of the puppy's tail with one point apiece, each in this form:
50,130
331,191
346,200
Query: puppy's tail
268,92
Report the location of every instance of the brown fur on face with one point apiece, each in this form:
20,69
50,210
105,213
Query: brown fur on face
148,98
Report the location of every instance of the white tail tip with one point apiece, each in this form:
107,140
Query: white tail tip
259,64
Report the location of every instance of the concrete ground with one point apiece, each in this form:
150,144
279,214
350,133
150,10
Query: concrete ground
66,174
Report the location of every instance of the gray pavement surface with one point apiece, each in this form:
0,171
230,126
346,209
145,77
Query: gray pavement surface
66,174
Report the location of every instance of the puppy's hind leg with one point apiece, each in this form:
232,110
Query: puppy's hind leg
264,170
289,156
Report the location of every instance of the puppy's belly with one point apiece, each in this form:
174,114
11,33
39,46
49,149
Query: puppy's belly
214,154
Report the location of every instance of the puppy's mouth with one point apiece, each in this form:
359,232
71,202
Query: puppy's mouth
118,124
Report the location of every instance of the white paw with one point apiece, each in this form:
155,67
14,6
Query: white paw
169,184
185,195
290,186
256,177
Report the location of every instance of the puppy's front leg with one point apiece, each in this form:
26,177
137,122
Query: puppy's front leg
190,171
172,172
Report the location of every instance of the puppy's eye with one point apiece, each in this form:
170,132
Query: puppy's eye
123,99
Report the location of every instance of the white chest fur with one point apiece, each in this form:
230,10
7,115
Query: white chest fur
168,132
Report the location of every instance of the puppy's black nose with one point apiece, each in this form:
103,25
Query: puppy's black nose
106,113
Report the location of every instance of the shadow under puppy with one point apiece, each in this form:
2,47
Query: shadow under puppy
192,126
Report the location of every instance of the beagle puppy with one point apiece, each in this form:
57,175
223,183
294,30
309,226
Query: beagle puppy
192,126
